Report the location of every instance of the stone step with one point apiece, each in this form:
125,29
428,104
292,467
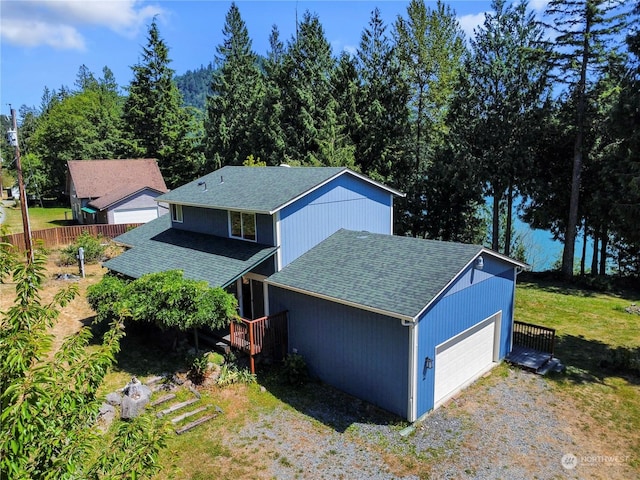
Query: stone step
188,414
163,399
195,423
176,407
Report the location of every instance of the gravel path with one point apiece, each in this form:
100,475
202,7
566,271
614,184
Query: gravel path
503,428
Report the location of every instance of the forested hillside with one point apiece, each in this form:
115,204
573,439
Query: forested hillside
195,85
542,113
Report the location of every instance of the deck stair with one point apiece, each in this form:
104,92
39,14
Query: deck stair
533,348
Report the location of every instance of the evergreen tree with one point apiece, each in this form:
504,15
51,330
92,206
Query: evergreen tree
586,30
382,114
271,146
237,90
507,71
156,124
308,107
430,47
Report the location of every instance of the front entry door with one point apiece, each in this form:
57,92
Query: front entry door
252,298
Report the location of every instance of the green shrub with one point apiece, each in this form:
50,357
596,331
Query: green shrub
93,249
295,369
230,373
198,368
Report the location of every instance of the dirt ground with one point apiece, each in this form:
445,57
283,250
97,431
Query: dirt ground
75,315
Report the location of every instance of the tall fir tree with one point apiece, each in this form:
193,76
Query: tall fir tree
155,123
382,106
508,80
587,30
237,91
271,140
431,46
308,106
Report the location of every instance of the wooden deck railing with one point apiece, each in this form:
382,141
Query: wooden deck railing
533,336
53,237
267,335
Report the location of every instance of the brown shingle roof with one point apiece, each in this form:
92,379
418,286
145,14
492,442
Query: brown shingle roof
119,194
96,178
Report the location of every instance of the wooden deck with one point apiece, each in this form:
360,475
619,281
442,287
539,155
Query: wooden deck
533,347
528,357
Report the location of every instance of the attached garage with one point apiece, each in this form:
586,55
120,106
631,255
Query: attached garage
141,215
465,357
400,322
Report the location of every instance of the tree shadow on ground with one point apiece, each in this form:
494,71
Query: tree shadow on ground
324,403
145,350
592,361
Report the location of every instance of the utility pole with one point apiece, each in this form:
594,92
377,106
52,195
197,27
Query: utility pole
12,136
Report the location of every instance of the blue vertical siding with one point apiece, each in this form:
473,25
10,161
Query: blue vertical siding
216,222
474,297
346,202
358,352
204,220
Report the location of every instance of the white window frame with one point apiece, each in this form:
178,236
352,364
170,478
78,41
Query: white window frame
242,226
176,213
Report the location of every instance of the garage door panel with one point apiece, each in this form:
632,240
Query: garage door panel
463,358
140,215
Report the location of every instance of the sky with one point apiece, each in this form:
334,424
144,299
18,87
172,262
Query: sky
43,43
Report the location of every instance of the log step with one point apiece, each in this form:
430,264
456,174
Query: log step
154,380
177,406
195,423
163,399
179,418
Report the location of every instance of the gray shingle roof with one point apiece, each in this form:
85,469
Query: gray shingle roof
159,248
392,274
255,189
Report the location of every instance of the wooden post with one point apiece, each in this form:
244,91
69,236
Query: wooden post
251,359
23,194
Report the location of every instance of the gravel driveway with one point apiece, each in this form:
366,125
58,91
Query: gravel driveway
505,427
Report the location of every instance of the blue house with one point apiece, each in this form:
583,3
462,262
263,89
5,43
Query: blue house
400,322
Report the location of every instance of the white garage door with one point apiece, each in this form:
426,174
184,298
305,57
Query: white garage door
140,215
463,358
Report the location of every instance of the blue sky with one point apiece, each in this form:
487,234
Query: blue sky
43,43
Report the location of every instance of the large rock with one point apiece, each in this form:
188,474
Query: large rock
136,396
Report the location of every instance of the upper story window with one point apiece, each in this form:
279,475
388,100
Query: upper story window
176,213
242,225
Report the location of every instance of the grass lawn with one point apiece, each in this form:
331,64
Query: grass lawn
590,326
39,218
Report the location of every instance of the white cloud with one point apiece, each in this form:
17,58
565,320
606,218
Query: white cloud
538,5
59,23
471,21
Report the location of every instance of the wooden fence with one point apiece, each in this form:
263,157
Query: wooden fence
53,237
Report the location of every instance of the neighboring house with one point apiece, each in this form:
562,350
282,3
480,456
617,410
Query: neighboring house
115,191
403,323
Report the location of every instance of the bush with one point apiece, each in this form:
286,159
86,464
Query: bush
93,249
295,369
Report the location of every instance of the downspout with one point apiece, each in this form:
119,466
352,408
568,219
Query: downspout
412,383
